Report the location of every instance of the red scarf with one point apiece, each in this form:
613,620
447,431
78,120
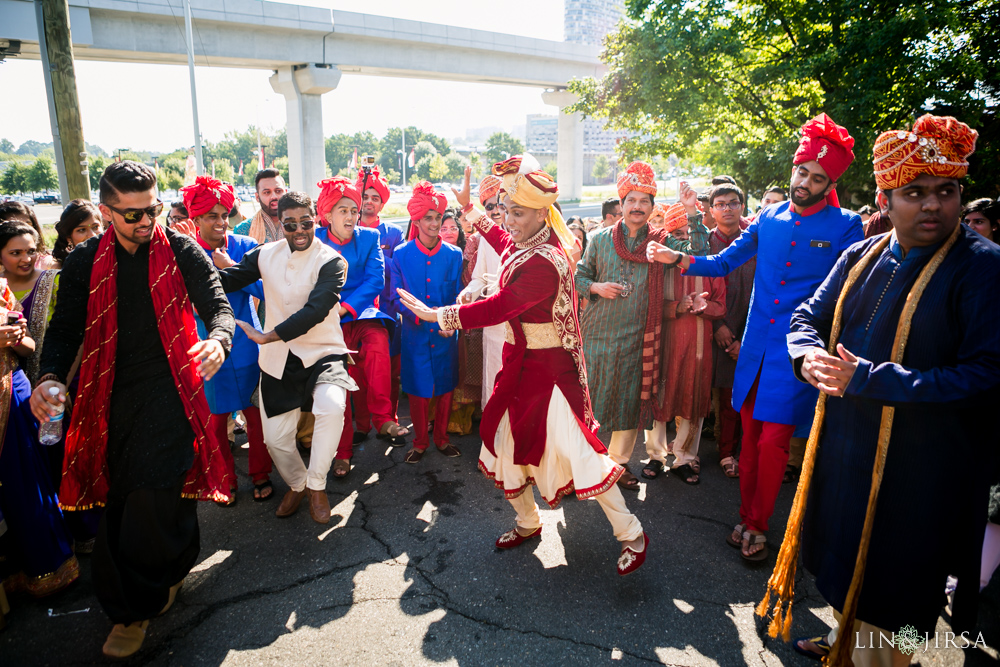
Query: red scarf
652,334
85,470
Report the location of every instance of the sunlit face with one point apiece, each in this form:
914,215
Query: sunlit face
429,227
212,226
18,256
139,233
771,198
612,217
980,224
494,210
371,203
637,207
175,216
726,209
449,231
86,229
809,184
523,223
580,235
656,221
926,210
681,233
343,218
298,238
269,191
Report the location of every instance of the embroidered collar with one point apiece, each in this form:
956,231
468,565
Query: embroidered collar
424,249
207,247
536,240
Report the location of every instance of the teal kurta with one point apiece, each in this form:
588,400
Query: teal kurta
612,329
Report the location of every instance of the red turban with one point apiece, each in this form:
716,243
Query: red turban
674,217
640,177
828,144
423,199
937,145
489,187
331,191
206,194
375,180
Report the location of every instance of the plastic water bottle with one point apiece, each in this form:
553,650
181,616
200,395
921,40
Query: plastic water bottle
51,431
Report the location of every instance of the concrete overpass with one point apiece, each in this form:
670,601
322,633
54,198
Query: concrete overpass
309,48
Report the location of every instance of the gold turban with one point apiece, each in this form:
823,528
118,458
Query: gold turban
528,186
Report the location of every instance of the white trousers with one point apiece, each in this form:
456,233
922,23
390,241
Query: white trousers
329,404
656,442
624,524
621,446
687,441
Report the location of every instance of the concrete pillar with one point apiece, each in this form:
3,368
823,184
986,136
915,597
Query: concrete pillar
302,86
570,150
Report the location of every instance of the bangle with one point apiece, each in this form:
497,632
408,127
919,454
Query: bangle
468,207
47,378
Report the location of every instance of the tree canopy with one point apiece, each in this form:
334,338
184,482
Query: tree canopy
501,146
731,81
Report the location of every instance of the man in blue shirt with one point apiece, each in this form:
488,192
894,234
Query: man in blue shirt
796,244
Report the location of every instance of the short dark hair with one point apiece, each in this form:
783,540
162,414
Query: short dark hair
124,177
265,173
292,199
778,190
608,207
13,209
179,205
14,228
987,207
75,214
578,225
725,189
719,180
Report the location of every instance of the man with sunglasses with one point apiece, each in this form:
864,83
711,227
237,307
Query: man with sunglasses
303,357
137,443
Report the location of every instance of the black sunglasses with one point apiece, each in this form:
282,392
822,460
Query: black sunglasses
491,206
292,227
134,215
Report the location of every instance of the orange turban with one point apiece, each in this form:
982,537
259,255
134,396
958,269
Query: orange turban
331,191
423,199
206,194
937,145
639,176
675,217
375,180
489,187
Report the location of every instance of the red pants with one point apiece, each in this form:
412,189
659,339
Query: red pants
418,412
762,464
345,448
374,372
729,423
260,460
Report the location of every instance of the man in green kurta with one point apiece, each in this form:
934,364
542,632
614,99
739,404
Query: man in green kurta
622,324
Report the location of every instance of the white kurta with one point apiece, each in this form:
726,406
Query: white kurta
485,275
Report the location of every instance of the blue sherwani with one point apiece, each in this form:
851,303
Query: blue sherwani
231,388
390,236
365,275
430,361
794,254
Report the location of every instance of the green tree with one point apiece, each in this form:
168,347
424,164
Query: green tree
602,169
6,146
281,164
501,146
96,169
173,181
423,167
552,169
223,171
32,148
732,81
42,175
14,178
456,166
438,168
423,149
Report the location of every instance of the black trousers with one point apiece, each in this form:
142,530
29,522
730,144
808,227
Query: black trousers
147,542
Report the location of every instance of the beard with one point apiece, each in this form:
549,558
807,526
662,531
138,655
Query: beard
806,202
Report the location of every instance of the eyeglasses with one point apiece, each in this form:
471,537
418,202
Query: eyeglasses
292,227
135,215
491,206
732,206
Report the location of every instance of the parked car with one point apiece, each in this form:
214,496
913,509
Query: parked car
47,199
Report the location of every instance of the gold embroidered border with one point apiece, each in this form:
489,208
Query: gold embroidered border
448,318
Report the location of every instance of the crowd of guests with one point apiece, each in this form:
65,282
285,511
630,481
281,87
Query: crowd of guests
312,318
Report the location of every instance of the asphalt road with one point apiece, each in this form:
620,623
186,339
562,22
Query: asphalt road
406,574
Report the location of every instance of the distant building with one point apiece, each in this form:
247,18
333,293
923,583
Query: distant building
541,133
588,21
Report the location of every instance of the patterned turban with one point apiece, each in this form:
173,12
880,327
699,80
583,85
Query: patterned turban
675,217
375,180
206,194
331,191
527,185
937,145
639,176
489,187
423,199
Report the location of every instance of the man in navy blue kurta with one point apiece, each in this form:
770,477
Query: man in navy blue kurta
428,267
796,244
948,378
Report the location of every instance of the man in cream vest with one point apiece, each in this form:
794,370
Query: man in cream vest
303,358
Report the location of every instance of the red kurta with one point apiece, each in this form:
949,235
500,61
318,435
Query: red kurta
687,347
536,287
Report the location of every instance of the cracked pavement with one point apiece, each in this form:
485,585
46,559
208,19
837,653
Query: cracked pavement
406,573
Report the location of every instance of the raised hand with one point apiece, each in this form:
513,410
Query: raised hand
689,198
463,195
187,228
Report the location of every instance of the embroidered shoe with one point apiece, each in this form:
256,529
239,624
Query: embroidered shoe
631,560
512,538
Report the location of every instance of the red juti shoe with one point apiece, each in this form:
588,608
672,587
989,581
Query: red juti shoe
512,538
631,560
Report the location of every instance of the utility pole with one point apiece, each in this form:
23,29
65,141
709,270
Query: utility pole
56,46
199,165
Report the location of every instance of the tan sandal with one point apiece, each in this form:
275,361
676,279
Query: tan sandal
730,467
394,433
753,539
125,640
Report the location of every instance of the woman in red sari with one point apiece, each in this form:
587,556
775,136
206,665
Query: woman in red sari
538,428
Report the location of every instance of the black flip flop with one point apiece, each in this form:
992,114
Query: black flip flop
653,469
258,490
359,437
686,472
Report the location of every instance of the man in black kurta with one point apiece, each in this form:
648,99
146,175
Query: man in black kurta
148,539
929,520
